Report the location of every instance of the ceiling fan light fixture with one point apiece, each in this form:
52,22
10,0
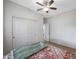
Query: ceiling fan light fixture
46,9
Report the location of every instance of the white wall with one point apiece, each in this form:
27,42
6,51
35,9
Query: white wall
12,9
63,28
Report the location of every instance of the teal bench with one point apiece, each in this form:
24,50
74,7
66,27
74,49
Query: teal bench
26,51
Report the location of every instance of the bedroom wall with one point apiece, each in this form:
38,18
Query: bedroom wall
63,29
12,9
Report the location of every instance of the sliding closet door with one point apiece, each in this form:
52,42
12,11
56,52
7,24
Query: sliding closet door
25,31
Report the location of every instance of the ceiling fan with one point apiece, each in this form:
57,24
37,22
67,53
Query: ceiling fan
47,4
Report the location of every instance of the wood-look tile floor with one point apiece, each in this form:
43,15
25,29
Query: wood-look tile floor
64,48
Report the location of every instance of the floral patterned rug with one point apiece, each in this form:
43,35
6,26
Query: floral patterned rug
51,52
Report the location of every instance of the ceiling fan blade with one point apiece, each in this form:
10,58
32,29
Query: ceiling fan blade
51,2
39,9
39,3
53,8
45,2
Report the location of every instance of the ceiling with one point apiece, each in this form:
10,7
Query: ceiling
61,5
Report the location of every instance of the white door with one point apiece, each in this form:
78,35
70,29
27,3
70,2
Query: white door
46,32
25,32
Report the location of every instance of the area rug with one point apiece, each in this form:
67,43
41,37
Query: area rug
51,52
